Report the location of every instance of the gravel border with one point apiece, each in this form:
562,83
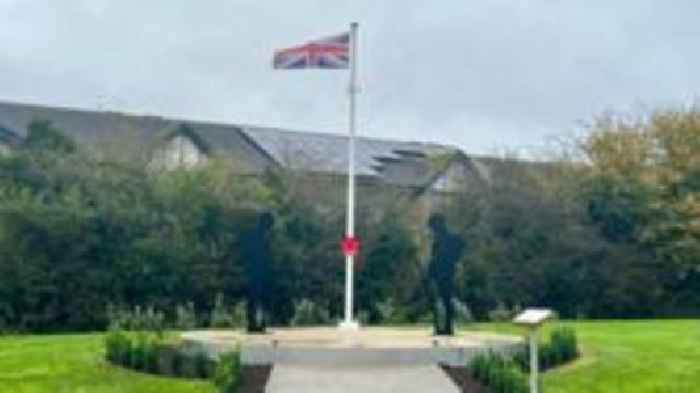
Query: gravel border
254,378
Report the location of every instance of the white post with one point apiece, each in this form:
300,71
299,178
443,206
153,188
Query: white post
534,360
349,322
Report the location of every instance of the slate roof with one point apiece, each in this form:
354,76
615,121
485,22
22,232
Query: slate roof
329,152
395,162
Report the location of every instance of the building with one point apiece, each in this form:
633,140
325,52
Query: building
423,170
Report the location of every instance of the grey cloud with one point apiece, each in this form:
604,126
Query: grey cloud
484,74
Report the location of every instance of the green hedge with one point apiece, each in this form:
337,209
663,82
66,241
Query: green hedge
228,372
561,348
152,353
498,374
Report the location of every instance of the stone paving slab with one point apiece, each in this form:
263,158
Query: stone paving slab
287,378
369,346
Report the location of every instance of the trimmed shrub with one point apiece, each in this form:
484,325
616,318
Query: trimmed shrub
498,374
203,365
166,359
117,347
561,348
188,367
564,344
177,362
151,356
196,364
149,352
228,372
139,349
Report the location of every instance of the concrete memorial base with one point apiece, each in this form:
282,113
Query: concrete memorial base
351,326
365,346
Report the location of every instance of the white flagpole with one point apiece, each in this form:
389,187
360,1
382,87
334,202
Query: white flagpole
349,322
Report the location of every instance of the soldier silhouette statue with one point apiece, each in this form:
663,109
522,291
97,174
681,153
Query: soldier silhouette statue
256,251
446,250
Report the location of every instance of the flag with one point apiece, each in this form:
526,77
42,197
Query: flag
327,53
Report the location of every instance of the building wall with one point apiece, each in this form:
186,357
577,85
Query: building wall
407,170
178,152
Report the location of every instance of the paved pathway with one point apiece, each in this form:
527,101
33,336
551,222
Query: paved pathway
287,378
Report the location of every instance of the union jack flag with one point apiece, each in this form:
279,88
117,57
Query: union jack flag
327,53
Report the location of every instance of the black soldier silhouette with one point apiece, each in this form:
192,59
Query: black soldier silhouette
256,251
446,250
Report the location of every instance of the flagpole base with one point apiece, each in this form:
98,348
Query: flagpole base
349,326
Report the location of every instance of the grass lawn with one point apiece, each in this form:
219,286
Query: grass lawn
73,364
628,357
624,357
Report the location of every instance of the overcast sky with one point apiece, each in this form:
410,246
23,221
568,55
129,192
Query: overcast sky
484,75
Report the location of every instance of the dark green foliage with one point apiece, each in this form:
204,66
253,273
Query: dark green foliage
42,136
228,372
166,354
565,344
498,374
151,355
530,246
561,348
139,353
185,317
203,365
136,319
308,313
386,267
117,347
177,361
221,316
80,231
155,354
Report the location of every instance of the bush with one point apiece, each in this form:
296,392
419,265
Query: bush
138,352
166,354
565,344
498,374
220,317
152,353
228,372
117,347
136,319
202,363
561,348
389,312
307,313
177,362
186,317
137,359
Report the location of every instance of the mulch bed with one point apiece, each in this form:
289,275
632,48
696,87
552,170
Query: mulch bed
254,378
463,379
